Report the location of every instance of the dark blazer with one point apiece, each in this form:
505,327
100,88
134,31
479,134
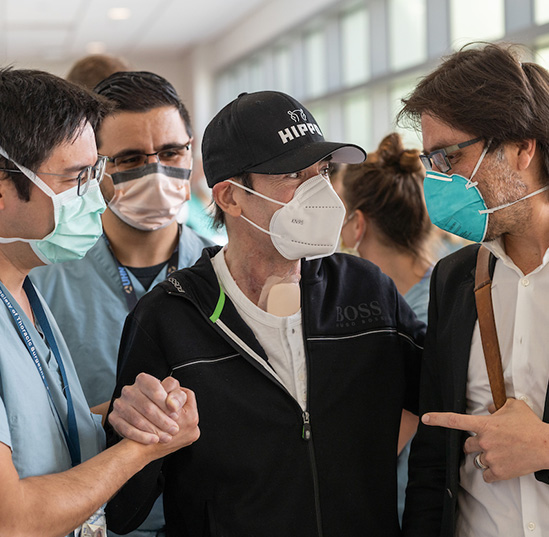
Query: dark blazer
431,497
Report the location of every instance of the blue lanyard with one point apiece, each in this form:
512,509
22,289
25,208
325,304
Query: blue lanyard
71,437
125,280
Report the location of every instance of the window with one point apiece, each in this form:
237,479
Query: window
357,120
283,70
474,20
320,113
542,56
410,137
226,89
256,75
355,49
541,10
315,63
352,84
407,33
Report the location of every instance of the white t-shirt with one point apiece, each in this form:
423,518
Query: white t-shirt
280,337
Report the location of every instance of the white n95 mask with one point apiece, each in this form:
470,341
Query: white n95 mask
309,224
151,196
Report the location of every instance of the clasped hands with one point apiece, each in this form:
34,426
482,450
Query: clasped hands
151,411
511,441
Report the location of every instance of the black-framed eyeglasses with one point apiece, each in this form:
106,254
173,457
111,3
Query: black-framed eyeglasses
439,158
84,178
173,156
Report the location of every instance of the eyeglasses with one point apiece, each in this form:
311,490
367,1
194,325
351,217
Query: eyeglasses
173,156
439,158
84,178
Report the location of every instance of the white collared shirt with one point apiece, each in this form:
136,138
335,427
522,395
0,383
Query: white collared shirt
517,506
280,337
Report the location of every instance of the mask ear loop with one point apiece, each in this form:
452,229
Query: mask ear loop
470,183
260,228
33,178
505,205
255,193
30,175
261,196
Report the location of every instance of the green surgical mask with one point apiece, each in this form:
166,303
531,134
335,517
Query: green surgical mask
77,221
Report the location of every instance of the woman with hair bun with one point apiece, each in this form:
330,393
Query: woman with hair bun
387,223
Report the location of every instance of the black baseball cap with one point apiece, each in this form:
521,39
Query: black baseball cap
267,132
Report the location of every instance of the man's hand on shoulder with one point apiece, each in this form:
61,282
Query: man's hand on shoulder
511,442
150,412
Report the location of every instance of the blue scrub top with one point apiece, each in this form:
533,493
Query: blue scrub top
28,422
90,306
88,302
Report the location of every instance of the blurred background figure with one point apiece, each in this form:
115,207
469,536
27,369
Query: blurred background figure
197,213
387,223
90,70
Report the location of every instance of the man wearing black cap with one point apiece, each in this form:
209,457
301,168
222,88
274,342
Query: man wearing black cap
301,360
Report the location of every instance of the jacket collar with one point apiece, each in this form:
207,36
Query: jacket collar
199,285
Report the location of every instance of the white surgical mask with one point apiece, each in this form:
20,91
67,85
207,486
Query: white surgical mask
77,221
309,224
151,196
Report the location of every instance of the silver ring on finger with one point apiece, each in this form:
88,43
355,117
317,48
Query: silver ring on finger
478,463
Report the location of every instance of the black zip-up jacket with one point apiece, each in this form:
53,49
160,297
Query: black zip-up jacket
262,466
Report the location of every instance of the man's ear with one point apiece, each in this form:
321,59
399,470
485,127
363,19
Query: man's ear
525,151
4,185
223,195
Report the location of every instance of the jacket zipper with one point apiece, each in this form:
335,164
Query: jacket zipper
306,434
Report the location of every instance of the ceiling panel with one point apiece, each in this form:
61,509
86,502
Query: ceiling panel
29,12
62,29
48,44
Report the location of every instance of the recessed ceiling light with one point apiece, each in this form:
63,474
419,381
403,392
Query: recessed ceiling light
96,47
119,13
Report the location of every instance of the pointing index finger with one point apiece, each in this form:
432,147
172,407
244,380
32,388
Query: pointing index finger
452,420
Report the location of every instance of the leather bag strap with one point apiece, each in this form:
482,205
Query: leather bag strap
487,324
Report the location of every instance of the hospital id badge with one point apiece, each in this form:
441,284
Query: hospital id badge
95,526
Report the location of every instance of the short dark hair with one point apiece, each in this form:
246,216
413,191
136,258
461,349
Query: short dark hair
90,70
486,91
38,112
244,179
141,91
388,189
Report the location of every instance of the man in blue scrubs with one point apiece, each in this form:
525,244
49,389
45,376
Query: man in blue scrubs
54,479
147,140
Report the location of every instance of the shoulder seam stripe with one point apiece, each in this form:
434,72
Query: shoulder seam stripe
205,361
368,333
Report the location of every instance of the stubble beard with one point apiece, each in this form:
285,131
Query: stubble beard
505,186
